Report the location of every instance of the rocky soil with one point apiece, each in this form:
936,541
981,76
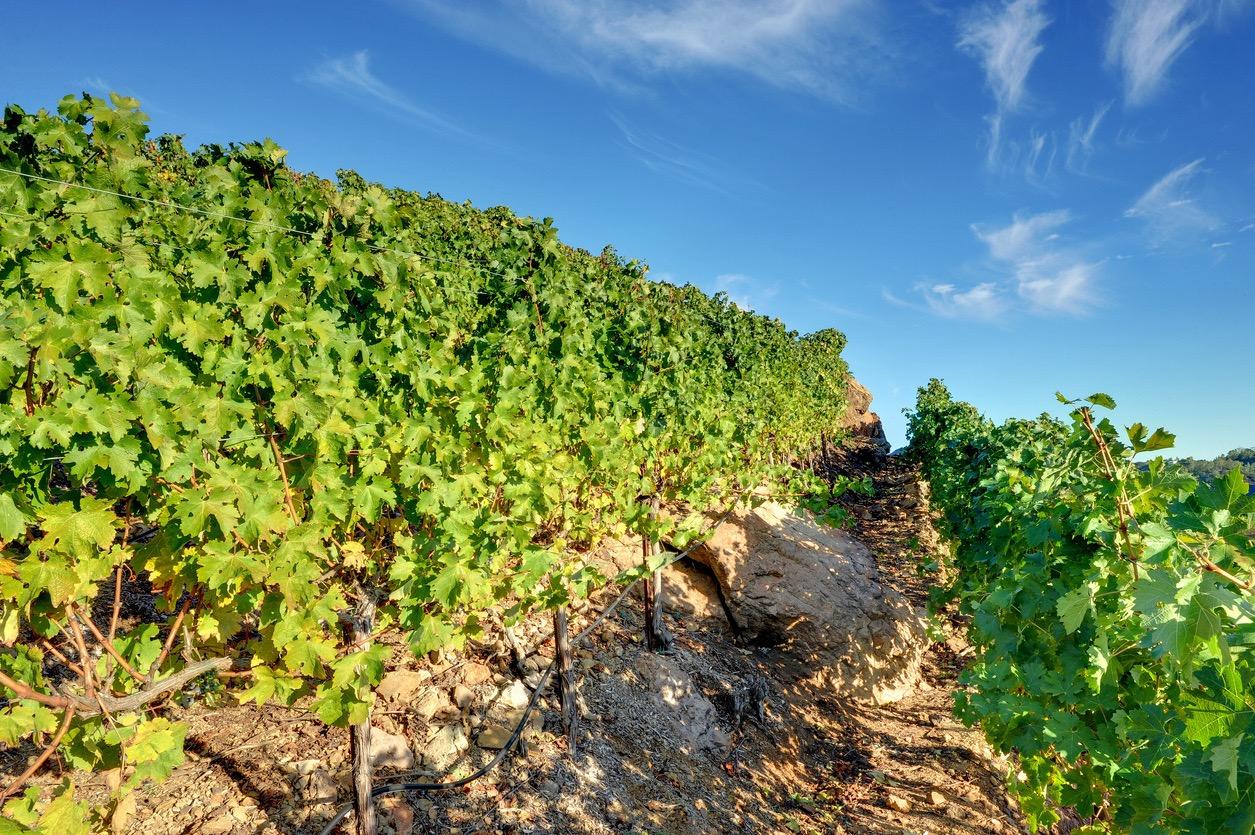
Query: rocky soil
856,735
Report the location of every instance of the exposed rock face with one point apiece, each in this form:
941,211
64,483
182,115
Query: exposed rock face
814,592
859,419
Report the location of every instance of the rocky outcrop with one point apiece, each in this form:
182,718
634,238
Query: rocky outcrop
859,420
815,594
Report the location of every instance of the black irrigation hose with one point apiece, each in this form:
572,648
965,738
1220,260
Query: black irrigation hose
396,788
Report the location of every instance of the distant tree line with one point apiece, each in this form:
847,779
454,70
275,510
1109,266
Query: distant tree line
1210,469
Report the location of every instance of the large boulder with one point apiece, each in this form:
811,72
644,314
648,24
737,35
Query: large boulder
859,419
814,592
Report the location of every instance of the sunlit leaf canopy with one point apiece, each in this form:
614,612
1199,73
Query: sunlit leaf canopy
273,395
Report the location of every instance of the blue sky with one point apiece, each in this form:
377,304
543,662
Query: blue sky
1016,197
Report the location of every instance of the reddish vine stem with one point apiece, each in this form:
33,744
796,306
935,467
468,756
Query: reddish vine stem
283,473
1124,508
26,692
46,644
117,575
1210,565
88,682
107,644
21,779
28,387
174,631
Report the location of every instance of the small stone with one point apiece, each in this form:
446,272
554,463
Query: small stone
898,804
617,813
445,746
390,750
402,685
303,767
475,673
398,812
317,786
512,696
120,820
494,737
429,703
218,826
937,798
463,696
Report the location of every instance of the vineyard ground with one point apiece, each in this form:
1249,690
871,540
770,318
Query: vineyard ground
818,765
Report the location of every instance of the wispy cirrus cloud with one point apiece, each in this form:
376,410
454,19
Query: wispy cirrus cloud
746,292
1146,37
673,160
818,47
1041,274
350,76
1006,39
1171,211
1081,139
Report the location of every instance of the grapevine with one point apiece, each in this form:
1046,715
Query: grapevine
277,398
1113,611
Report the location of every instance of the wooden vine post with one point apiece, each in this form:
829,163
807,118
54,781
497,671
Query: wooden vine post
357,630
564,678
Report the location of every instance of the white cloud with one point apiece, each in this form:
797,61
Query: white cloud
350,76
1024,237
1047,275
1041,274
984,301
746,292
672,160
819,47
1169,209
1006,41
1081,135
1061,288
1038,143
1146,38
